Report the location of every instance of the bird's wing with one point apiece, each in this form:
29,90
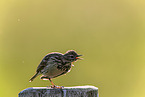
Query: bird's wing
45,61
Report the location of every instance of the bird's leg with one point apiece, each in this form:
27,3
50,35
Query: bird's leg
53,86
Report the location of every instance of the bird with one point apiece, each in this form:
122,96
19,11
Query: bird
55,64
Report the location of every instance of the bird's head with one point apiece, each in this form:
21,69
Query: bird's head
71,56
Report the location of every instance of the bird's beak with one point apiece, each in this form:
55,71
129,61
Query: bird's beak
78,57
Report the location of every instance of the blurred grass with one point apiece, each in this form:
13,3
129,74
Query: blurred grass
110,35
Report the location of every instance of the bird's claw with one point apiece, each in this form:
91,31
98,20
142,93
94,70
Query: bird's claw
56,87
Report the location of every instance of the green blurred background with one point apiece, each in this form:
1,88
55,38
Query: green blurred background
109,33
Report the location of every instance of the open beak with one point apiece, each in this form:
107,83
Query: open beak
78,57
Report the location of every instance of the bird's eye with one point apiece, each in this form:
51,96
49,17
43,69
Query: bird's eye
72,56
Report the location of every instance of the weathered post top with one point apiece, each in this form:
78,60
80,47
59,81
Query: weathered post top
77,91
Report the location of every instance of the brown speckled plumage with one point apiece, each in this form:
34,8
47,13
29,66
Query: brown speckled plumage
55,64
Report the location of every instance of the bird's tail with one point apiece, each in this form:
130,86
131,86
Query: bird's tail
34,76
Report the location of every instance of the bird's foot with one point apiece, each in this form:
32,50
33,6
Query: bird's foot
57,87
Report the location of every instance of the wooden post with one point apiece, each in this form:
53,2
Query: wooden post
78,91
